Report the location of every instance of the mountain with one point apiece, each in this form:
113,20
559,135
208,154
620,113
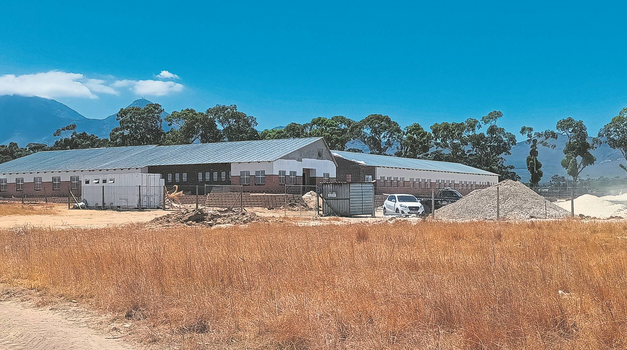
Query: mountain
607,163
35,119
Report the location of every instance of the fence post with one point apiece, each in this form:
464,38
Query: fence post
23,197
196,197
103,197
572,200
241,199
498,204
68,200
432,203
139,199
165,194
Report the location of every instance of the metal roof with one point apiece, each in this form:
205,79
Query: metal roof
142,156
409,163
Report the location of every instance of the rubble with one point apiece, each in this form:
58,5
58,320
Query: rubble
517,202
201,217
310,199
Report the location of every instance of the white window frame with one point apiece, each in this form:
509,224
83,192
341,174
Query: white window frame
38,181
260,177
184,177
293,177
215,176
368,178
282,176
56,183
244,178
75,182
19,184
169,178
200,176
177,177
208,176
326,177
223,176
3,184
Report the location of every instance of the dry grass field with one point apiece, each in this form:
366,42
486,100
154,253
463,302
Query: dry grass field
26,209
536,285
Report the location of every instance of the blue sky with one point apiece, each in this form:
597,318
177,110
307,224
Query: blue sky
422,62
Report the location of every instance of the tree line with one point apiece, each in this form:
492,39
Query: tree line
480,143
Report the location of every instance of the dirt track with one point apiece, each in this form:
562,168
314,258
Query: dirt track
22,327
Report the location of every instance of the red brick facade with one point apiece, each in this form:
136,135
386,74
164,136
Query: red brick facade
28,190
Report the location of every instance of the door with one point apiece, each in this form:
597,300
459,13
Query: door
390,203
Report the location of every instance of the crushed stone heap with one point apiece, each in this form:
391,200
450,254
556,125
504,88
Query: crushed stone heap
517,202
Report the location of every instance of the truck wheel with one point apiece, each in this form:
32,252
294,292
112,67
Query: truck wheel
396,210
385,211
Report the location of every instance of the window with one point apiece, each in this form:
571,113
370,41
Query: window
3,185
74,182
86,182
223,176
200,177
19,184
392,198
111,181
368,178
349,177
326,177
208,176
177,177
37,181
169,177
56,183
104,181
244,177
281,177
96,181
184,177
293,177
260,177
215,176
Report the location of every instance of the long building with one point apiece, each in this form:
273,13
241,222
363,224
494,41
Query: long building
407,175
260,166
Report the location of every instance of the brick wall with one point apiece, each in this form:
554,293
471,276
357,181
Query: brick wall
46,190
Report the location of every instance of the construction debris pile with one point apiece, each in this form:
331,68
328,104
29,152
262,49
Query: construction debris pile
201,217
598,207
310,198
516,202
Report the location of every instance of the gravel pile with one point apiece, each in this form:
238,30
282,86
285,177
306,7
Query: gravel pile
209,218
593,206
517,202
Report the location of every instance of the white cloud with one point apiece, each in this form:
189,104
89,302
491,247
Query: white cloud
57,84
167,75
150,87
52,84
98,85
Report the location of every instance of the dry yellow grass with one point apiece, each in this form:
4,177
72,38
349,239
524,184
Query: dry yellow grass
392,285
7,209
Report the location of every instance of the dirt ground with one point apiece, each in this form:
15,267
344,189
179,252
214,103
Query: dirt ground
29,322
62,218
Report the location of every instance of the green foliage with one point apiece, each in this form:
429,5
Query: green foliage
378,132
337,131
236,125
615,134
79,141
138,126
577,154
533,163
416,142
12,151
190,126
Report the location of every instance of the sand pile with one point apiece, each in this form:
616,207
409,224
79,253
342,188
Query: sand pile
517,202
593,206
620,198
310,199
209,218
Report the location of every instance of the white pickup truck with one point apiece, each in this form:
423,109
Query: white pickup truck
402,204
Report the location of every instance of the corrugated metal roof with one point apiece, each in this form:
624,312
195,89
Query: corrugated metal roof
409,163
142,156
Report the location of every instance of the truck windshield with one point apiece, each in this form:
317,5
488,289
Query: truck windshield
407,199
